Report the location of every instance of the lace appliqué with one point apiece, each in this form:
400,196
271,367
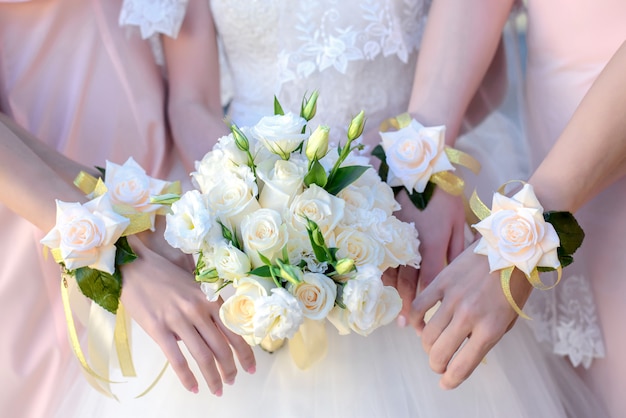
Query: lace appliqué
565,317
327,39
154,16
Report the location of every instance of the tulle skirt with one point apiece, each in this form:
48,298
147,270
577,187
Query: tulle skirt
383,375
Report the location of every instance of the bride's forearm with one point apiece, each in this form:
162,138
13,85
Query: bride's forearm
459,43
590,154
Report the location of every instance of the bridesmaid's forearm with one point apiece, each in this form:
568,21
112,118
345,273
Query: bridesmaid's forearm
65,167
459,43
28,186
590,154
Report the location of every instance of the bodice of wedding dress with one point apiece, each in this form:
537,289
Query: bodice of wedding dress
358,54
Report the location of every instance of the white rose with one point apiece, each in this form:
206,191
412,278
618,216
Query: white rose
359,246
381,192
210,169
130,188
85,235
263,232
277,316
233,198
369,303
282,180
316,293
230,262
319,206
190,224
237,312
516,234
401,243
414,154
212,289
281,134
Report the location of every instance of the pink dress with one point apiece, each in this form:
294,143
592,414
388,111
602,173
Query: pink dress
73,77
569,43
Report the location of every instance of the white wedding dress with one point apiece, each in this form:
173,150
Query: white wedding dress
359,54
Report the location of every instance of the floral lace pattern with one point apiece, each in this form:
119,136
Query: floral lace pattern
357,53
565,317
154,16
328,39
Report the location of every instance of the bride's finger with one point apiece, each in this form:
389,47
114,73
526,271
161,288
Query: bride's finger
435,326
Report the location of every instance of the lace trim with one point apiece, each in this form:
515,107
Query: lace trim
154,16
326,43
565,317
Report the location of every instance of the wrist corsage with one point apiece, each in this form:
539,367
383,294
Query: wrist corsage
89,242
415,157
516,232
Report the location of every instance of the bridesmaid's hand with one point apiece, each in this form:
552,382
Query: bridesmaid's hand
170,307
441,229
473,316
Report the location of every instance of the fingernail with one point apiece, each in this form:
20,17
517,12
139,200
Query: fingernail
218,393
251,369
194,389
401,321
229,381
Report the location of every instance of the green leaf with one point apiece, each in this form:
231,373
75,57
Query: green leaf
383,168
316,175
103,288
344,176
263,271
420,200
319,249
206,276
264,259
102,171
229,235
278,109
567,228
124,254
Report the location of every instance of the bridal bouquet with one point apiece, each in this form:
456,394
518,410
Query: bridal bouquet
301,230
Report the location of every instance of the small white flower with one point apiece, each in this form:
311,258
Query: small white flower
190,225
414,153
85,235
516,234
370,304
277,316
281,134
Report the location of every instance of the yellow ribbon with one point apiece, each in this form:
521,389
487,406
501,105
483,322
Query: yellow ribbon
448,181
482,211
309,344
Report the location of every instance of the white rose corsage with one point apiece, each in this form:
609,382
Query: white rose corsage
517,233
415,157
89,240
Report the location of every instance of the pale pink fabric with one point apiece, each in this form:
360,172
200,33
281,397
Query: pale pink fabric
568,45
90,89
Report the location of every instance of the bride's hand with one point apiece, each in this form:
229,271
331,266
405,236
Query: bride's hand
473,308
170,306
